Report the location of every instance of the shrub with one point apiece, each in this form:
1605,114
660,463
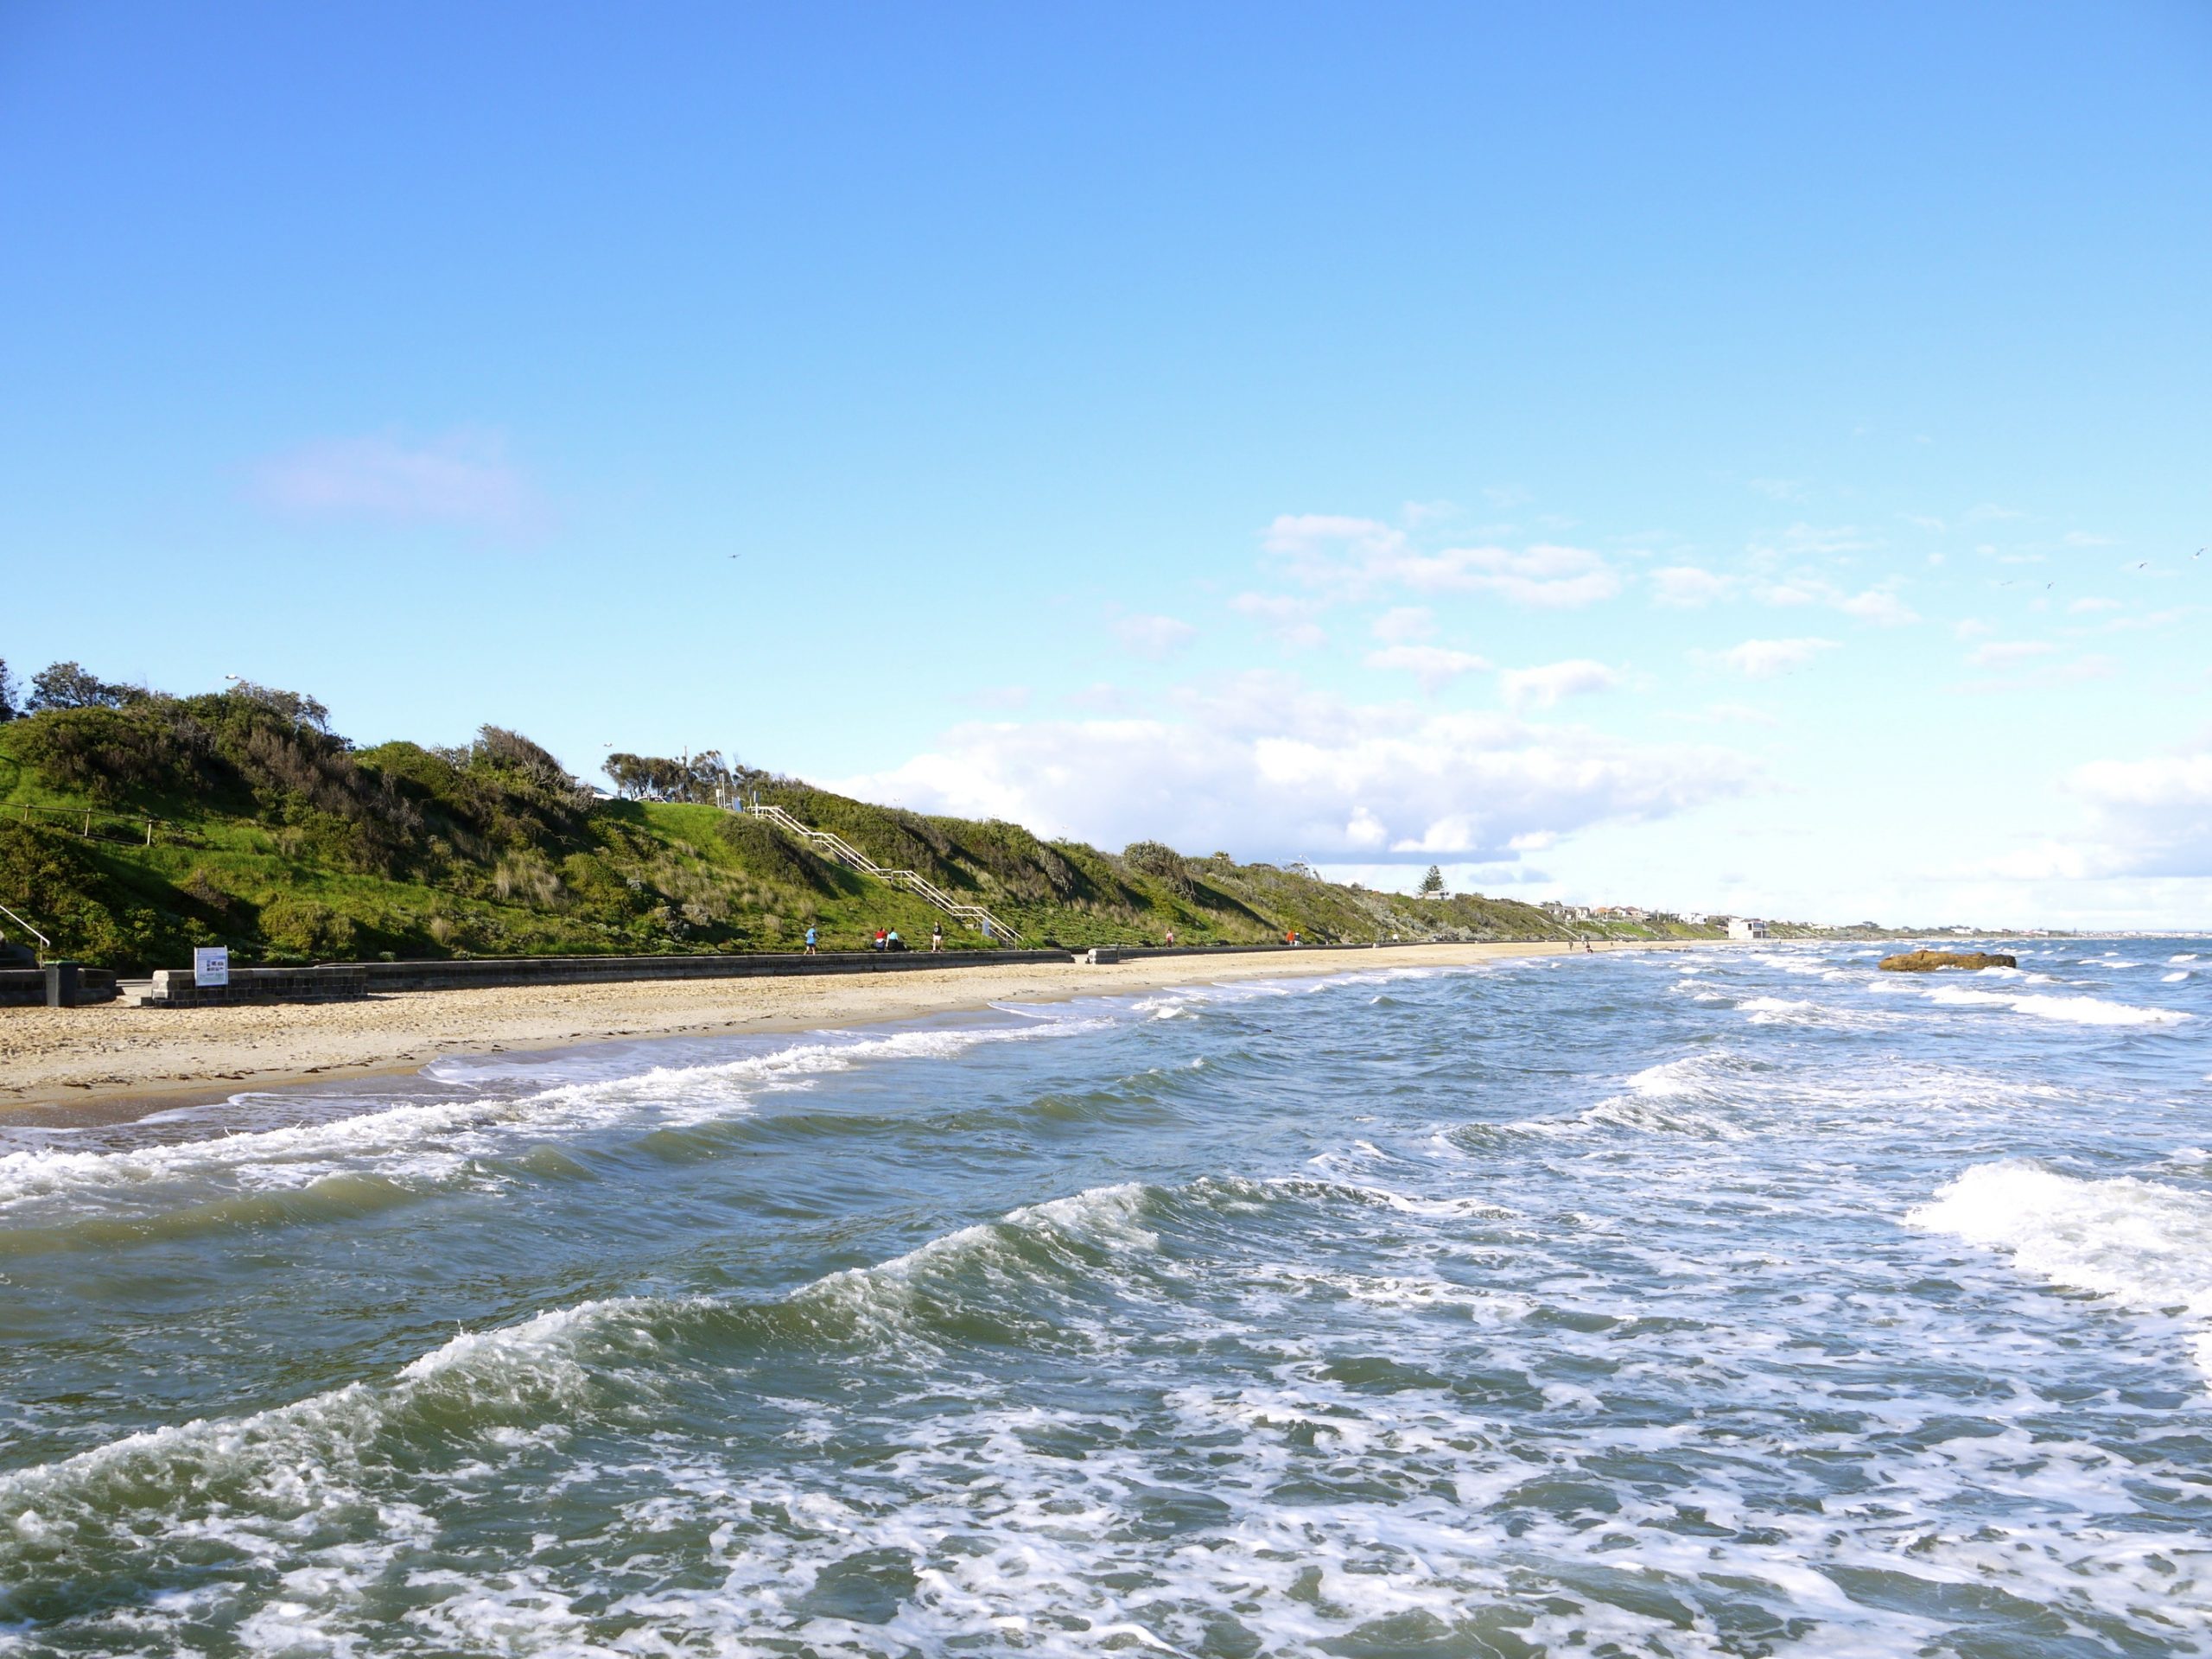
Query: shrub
112,753
301,927
1161,861
65,888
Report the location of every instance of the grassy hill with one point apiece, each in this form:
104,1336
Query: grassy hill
139,825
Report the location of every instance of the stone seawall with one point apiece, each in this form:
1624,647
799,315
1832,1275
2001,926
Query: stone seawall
328,982
25,988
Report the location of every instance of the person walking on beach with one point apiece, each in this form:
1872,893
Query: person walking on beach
812,938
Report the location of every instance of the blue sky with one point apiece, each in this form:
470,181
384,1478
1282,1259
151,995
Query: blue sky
1740,457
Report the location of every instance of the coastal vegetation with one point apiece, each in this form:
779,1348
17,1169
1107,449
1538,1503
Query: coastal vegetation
135,825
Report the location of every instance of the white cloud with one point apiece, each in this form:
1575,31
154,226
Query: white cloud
1802,541
1405,622
1270,769
1688,585
1972,627
2091,667
1155,637
1742,714
1001,697
1289,619
1322,548
1549,576
1998,653
1880,605
1779,489
464,478
1434,666
1353,557
1877,605
1762,660
2152,817
2084,606
1101,697
2176,781
1542,687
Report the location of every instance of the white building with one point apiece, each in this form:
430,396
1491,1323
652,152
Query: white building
1746,927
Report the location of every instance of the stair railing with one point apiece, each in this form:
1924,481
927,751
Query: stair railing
44,943
840,851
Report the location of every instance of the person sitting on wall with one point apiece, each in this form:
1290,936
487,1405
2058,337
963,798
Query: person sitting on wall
877,943
893,942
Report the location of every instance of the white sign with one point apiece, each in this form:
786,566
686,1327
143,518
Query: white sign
211,965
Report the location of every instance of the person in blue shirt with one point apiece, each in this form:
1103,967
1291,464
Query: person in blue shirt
810,939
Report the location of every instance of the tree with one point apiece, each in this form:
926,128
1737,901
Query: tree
1432,885
7,692
294,706
702,779
67,685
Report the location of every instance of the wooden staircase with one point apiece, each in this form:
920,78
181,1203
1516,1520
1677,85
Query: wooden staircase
836,848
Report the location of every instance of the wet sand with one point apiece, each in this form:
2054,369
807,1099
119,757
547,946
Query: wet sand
111,1061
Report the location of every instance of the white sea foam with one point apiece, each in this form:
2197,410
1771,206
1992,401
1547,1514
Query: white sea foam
2143,1244
300,1456
2071,1010
2174,978
436,1143
1784,1011
299,1452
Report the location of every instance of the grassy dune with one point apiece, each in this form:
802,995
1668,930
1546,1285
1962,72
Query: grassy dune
275,838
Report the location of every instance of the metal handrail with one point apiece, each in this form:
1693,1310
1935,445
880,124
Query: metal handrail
912,881
45,943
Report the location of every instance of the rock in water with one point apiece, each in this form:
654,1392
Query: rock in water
1926,962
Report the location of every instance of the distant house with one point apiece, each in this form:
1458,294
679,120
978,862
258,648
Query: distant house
1746,927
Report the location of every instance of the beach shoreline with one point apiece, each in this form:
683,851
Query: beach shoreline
113,1063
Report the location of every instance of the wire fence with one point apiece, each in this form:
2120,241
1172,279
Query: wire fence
132,829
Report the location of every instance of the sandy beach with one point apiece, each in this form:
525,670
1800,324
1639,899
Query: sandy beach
112,1058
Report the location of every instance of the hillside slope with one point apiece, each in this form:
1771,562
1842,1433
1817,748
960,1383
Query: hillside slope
140,825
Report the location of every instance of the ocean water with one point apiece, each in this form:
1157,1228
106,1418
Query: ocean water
1718,1302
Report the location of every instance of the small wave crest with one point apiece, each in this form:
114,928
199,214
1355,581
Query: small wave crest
2069,1010
430,1145
2143,1244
